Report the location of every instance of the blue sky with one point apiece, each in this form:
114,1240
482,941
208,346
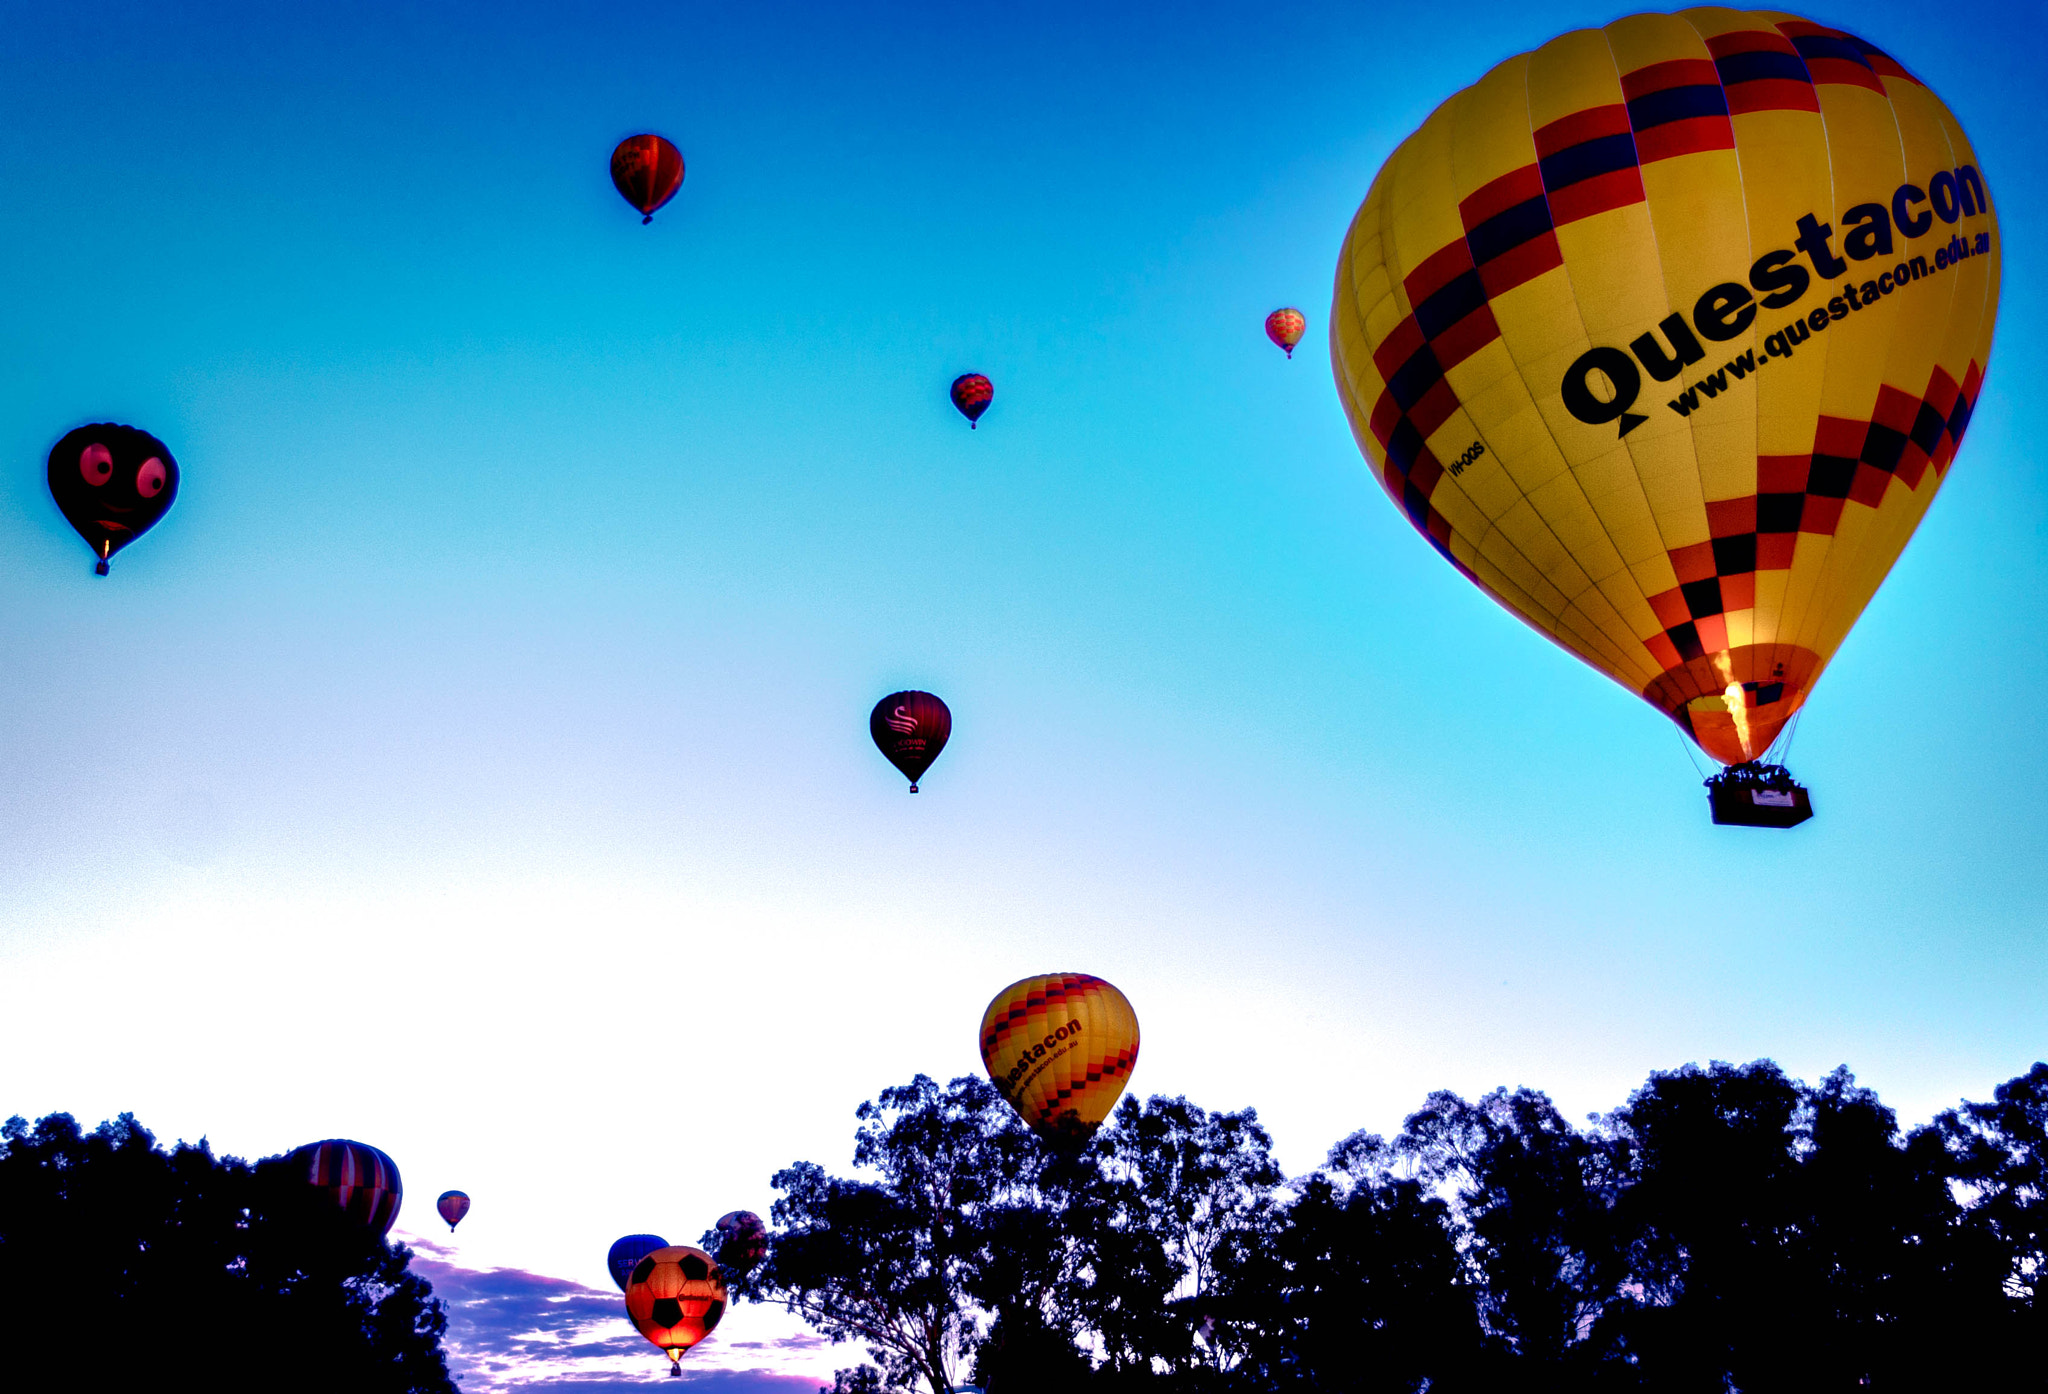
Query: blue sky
475,760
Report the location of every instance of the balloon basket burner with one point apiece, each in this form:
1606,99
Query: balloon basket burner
1758,796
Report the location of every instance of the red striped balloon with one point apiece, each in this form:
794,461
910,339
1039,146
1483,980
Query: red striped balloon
363,1181
647,171
453,1205
971,394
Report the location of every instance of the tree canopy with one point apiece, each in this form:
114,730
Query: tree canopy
121,1260
1727,1229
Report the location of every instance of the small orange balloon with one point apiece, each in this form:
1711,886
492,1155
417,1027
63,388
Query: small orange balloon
1285,328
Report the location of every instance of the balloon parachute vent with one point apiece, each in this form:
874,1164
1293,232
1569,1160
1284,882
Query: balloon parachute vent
100,569
1756,795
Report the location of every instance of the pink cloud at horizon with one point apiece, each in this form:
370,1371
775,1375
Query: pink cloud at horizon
514,1330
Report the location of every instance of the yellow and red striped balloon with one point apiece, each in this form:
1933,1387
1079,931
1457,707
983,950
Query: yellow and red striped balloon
1285,328
1665,335
1060,1048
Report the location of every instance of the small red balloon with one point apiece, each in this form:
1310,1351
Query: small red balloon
972,393
647,171
910,729
1284,327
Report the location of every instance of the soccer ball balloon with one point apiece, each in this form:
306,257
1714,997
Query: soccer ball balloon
676,1296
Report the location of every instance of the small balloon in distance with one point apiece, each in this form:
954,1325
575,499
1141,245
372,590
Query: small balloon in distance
453,1205
676,1296
647,170
1060,1048
361,1180
971,394
113,484
910,729
628,1251
1285,328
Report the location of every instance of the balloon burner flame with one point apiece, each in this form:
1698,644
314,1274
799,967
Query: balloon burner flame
1738,712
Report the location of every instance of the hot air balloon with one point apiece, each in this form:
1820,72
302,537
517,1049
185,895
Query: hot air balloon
742,1240
453,1205
1060,1048
647,170
112,484
910,728
629,1251
971,394
1285,327
357,1177
675,1296
1665,336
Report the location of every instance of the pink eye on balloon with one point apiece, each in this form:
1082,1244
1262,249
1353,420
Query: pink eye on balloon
151,478
96,464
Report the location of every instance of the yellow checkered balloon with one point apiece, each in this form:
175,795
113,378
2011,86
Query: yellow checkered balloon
1641,329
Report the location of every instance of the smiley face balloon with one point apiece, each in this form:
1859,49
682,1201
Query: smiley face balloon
112,483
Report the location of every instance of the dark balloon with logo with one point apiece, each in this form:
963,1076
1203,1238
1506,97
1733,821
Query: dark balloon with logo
647,170
910,729
112,483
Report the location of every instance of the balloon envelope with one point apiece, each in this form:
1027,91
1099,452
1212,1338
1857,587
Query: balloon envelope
910,729
1285,328
742,1239
647,170
1060,1047
971,394
675,1296
627,1252
112,484
1665,336
453,1205
357,1177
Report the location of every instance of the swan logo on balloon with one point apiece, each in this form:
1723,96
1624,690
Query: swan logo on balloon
910,729
1665,335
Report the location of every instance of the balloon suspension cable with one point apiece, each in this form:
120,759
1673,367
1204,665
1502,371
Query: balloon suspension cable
1290,351
1686,746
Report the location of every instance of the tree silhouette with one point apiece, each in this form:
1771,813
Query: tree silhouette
120,1259
1727,1229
